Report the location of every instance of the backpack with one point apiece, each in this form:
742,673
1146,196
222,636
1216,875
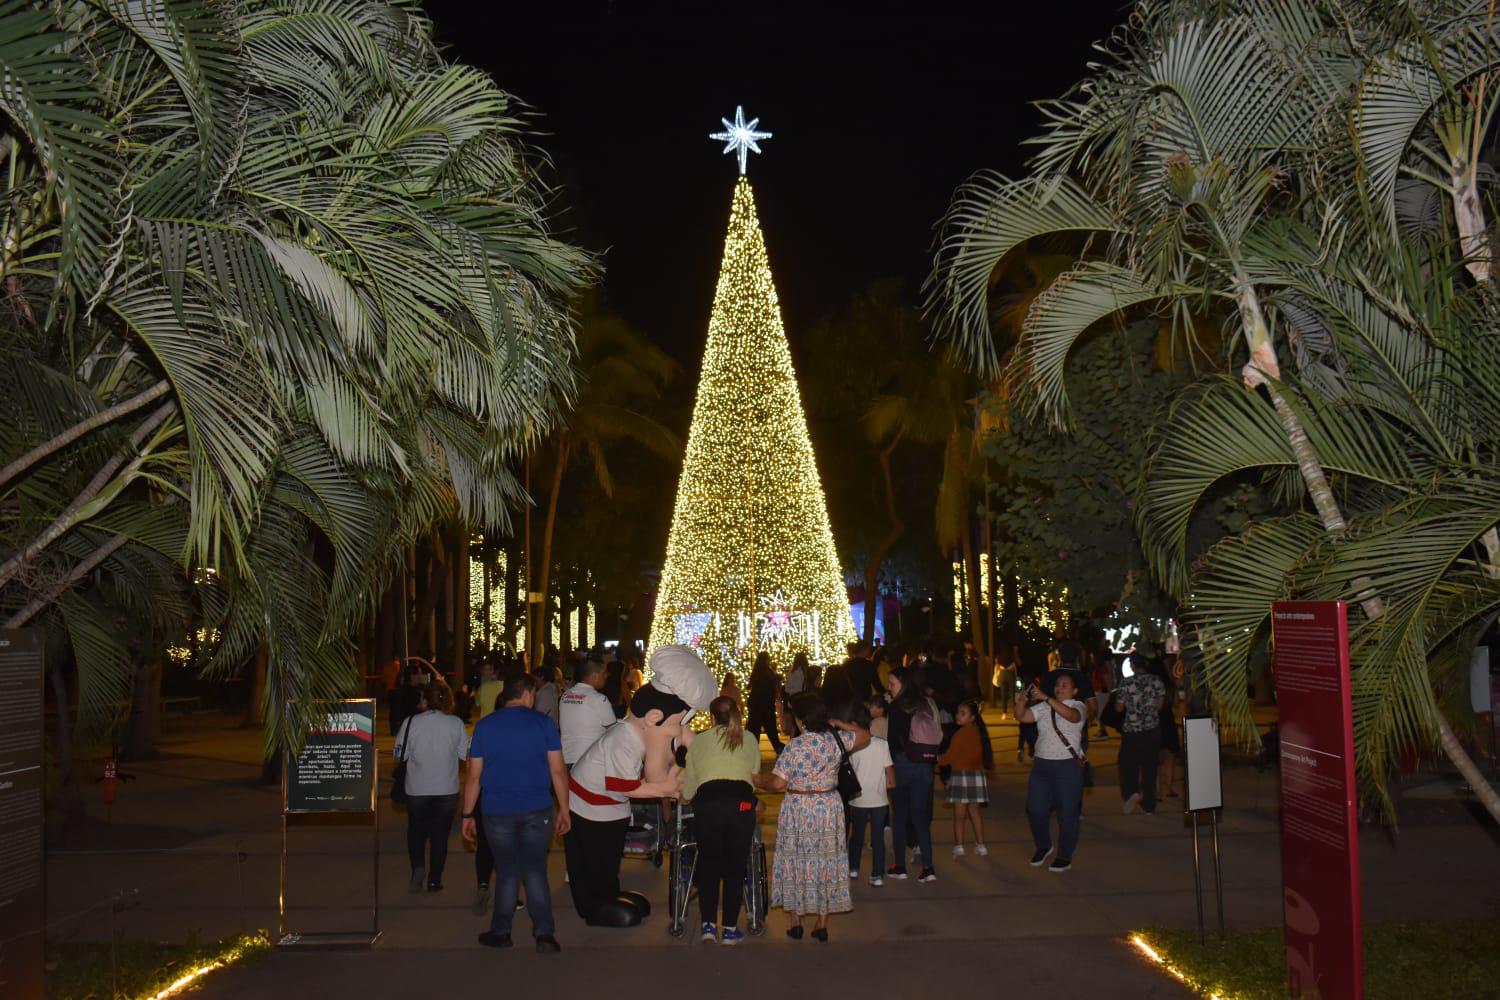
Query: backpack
924,741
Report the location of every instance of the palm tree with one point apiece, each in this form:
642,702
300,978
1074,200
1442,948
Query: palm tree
929,401
618,369
281,296
1209,153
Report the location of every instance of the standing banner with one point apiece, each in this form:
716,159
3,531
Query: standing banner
1319,827
335,772
23,901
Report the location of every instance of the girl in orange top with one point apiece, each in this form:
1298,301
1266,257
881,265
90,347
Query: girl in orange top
970,755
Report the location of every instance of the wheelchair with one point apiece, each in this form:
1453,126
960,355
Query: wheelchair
684,853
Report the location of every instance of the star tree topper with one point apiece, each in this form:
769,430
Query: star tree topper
738,135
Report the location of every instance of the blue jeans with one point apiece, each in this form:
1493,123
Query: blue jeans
429,820
911,804
519,842
1055,785
859,818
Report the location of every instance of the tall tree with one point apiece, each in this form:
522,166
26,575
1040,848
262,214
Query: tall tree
281,296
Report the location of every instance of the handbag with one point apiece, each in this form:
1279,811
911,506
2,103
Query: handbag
1078,757
849,787
398,773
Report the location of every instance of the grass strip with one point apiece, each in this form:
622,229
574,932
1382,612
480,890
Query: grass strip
80,970
1403,959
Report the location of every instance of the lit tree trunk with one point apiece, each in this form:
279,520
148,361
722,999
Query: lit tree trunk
971,579
872,567
537,641
462,608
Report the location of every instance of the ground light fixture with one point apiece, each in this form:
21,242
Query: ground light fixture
1144,947
224,959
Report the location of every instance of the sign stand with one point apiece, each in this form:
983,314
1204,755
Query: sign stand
1205,793
336,772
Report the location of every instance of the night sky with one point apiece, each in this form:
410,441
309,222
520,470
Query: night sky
878,111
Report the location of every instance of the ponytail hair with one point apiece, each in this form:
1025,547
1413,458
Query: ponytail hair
725,711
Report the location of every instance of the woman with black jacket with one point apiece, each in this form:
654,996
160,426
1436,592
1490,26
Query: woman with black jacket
760,705
911,799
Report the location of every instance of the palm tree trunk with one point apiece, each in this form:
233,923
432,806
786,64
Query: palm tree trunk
872,567
80,570
1460,757
1333,522
78,430
547,527
70,515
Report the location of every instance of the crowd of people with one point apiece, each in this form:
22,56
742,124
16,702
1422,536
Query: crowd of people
859,747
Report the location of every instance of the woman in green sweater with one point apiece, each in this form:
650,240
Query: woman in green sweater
720,764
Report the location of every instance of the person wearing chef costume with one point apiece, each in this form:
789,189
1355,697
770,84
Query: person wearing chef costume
634,759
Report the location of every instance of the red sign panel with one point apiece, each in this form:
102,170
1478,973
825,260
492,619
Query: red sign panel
1319,831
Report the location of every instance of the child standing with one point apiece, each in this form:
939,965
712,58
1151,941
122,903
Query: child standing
877,773
970,755
879,724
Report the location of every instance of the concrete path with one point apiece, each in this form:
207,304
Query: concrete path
199,838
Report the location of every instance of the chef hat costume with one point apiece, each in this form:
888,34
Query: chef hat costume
679,681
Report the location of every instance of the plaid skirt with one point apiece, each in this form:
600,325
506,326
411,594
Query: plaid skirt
967,786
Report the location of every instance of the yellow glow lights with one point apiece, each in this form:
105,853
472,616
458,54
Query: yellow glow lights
751,563
241,948
1144,947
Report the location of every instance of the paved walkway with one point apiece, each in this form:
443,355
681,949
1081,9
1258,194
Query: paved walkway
199,838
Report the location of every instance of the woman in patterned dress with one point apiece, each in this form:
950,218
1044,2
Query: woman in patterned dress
810,875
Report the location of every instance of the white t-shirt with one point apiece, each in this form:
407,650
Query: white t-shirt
607,770
1048,746
869,767
432,744
583,716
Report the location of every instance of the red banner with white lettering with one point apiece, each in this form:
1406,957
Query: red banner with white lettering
1319,823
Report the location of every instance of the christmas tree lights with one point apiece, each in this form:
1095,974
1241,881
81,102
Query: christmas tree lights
751,563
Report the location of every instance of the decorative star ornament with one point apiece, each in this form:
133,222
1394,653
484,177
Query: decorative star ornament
741,136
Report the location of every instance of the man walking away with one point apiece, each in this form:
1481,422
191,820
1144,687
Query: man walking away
1141,696
525,775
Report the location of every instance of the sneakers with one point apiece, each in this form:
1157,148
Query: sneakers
853,873
896,872
876,882
492,940
1131,803
958,850
709,932
733,935
481,900
1040,858
1059,866
928,875
981,850
546,944
418,880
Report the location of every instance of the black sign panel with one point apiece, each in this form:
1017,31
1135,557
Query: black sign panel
335,772
22,900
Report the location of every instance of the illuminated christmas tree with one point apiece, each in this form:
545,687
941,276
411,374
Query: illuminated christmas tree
751,563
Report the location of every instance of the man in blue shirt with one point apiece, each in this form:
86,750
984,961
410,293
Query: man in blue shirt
526,771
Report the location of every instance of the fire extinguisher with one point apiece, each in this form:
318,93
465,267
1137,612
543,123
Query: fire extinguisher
110,783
